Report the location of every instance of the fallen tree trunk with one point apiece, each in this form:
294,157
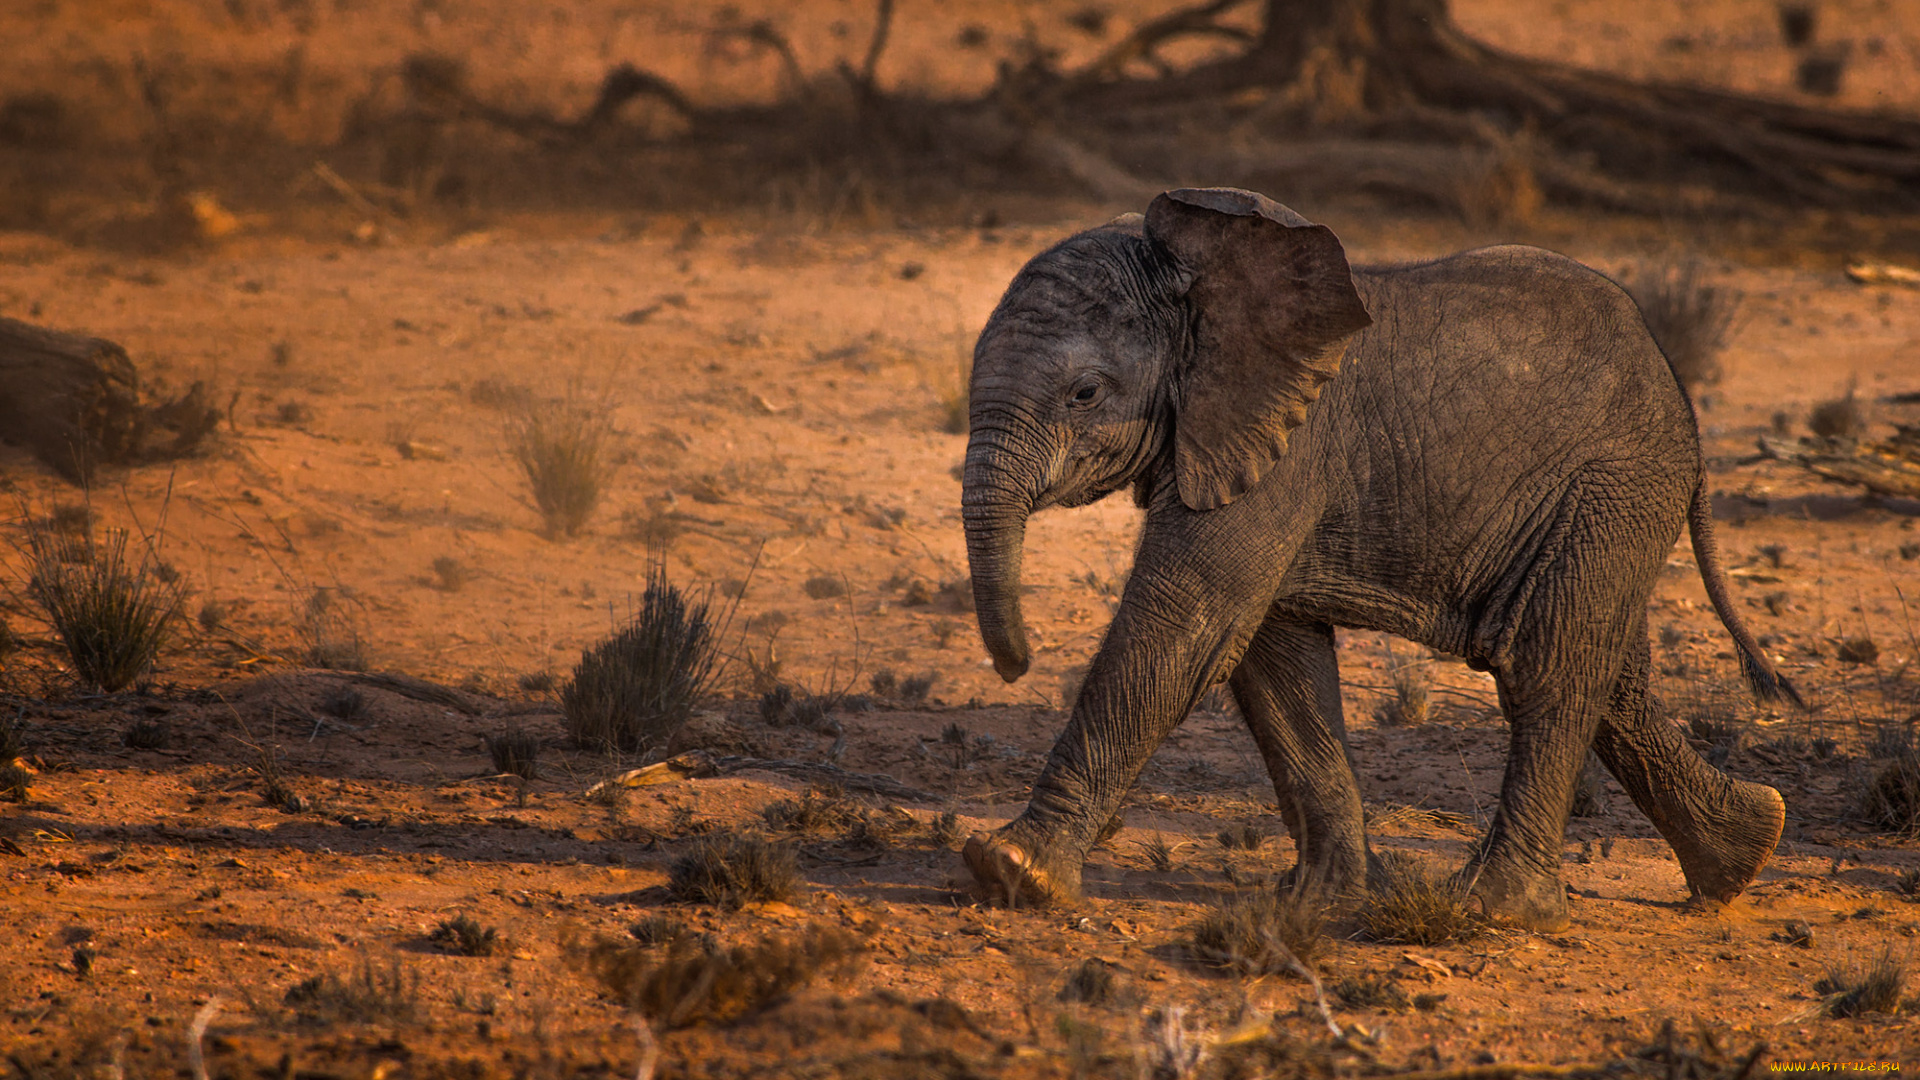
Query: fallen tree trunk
76,403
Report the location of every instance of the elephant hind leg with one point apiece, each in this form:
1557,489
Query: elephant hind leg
1722,830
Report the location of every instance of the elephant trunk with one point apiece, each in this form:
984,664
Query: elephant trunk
994,505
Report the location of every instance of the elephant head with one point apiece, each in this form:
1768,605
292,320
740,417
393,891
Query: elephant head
1190,340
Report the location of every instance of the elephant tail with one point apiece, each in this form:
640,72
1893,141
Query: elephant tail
1767,682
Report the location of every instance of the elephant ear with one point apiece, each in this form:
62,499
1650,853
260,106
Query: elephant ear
1275,302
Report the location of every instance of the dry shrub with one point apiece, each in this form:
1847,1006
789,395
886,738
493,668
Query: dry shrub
1409,705
1408,903
1371,992
15,782
783,706
1158,851
1892,796
515,752
112,614
146,735
820,809
1260,934
330,628
697,979
1688,318
1858,650
365,996
450,574
733,871
945,829
464,935
1873,988
564,449
1092,983
13,739
632,691
1241,838
1840,418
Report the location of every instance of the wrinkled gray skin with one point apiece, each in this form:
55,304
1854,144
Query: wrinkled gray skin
1497,465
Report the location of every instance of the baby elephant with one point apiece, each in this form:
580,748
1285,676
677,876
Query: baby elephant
1487,454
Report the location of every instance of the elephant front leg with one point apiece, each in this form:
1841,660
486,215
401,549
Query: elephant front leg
1141,685
1288,689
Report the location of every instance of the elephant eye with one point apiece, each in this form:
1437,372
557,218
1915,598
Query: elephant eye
1086,394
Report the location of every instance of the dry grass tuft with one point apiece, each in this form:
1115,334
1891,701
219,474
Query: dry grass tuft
111,613
1092,983
146,735
658,930
1858,650
331,630
733,871
945,829
515,752
1409,706
1856,991
1414,905
1688,318
1158,851
463,935
1371,992
820,809
1241,838
1841,418
367,995
1260,934
564,450
632,691
697,979
1892,796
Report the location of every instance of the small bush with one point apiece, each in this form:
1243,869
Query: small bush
146,735
734,871
515,752
1413,905
1874,988
1908,883
783,706
1258,934
563,449
1409,706
915,688
1892,796
1241,838
825,587
368,995
946,829
1158,851
657,930
1372,992
466,936
211,616
1840,418
112,615
450,574
820,809
13,739
1092,983
345,703
698,979
15,782
1858,650
1688,318
331,631
536,682
632,691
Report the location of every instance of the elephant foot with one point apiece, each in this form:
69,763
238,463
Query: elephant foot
1013,875
1733,841
1533,900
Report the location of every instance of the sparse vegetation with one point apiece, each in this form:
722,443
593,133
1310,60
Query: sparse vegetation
331,630
1241,838
1688,317
945,829
1409,705
1371,992
450,574
536,682
366,995
464,935
824,587
1891,799
1840,418
819,809
1158,851
632,691
345,703
657,930
698,979
564,450
1414,905
1873,987
1260,934
146,735
733,871
113,614
515,752
1857,650
784,706
1091,983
